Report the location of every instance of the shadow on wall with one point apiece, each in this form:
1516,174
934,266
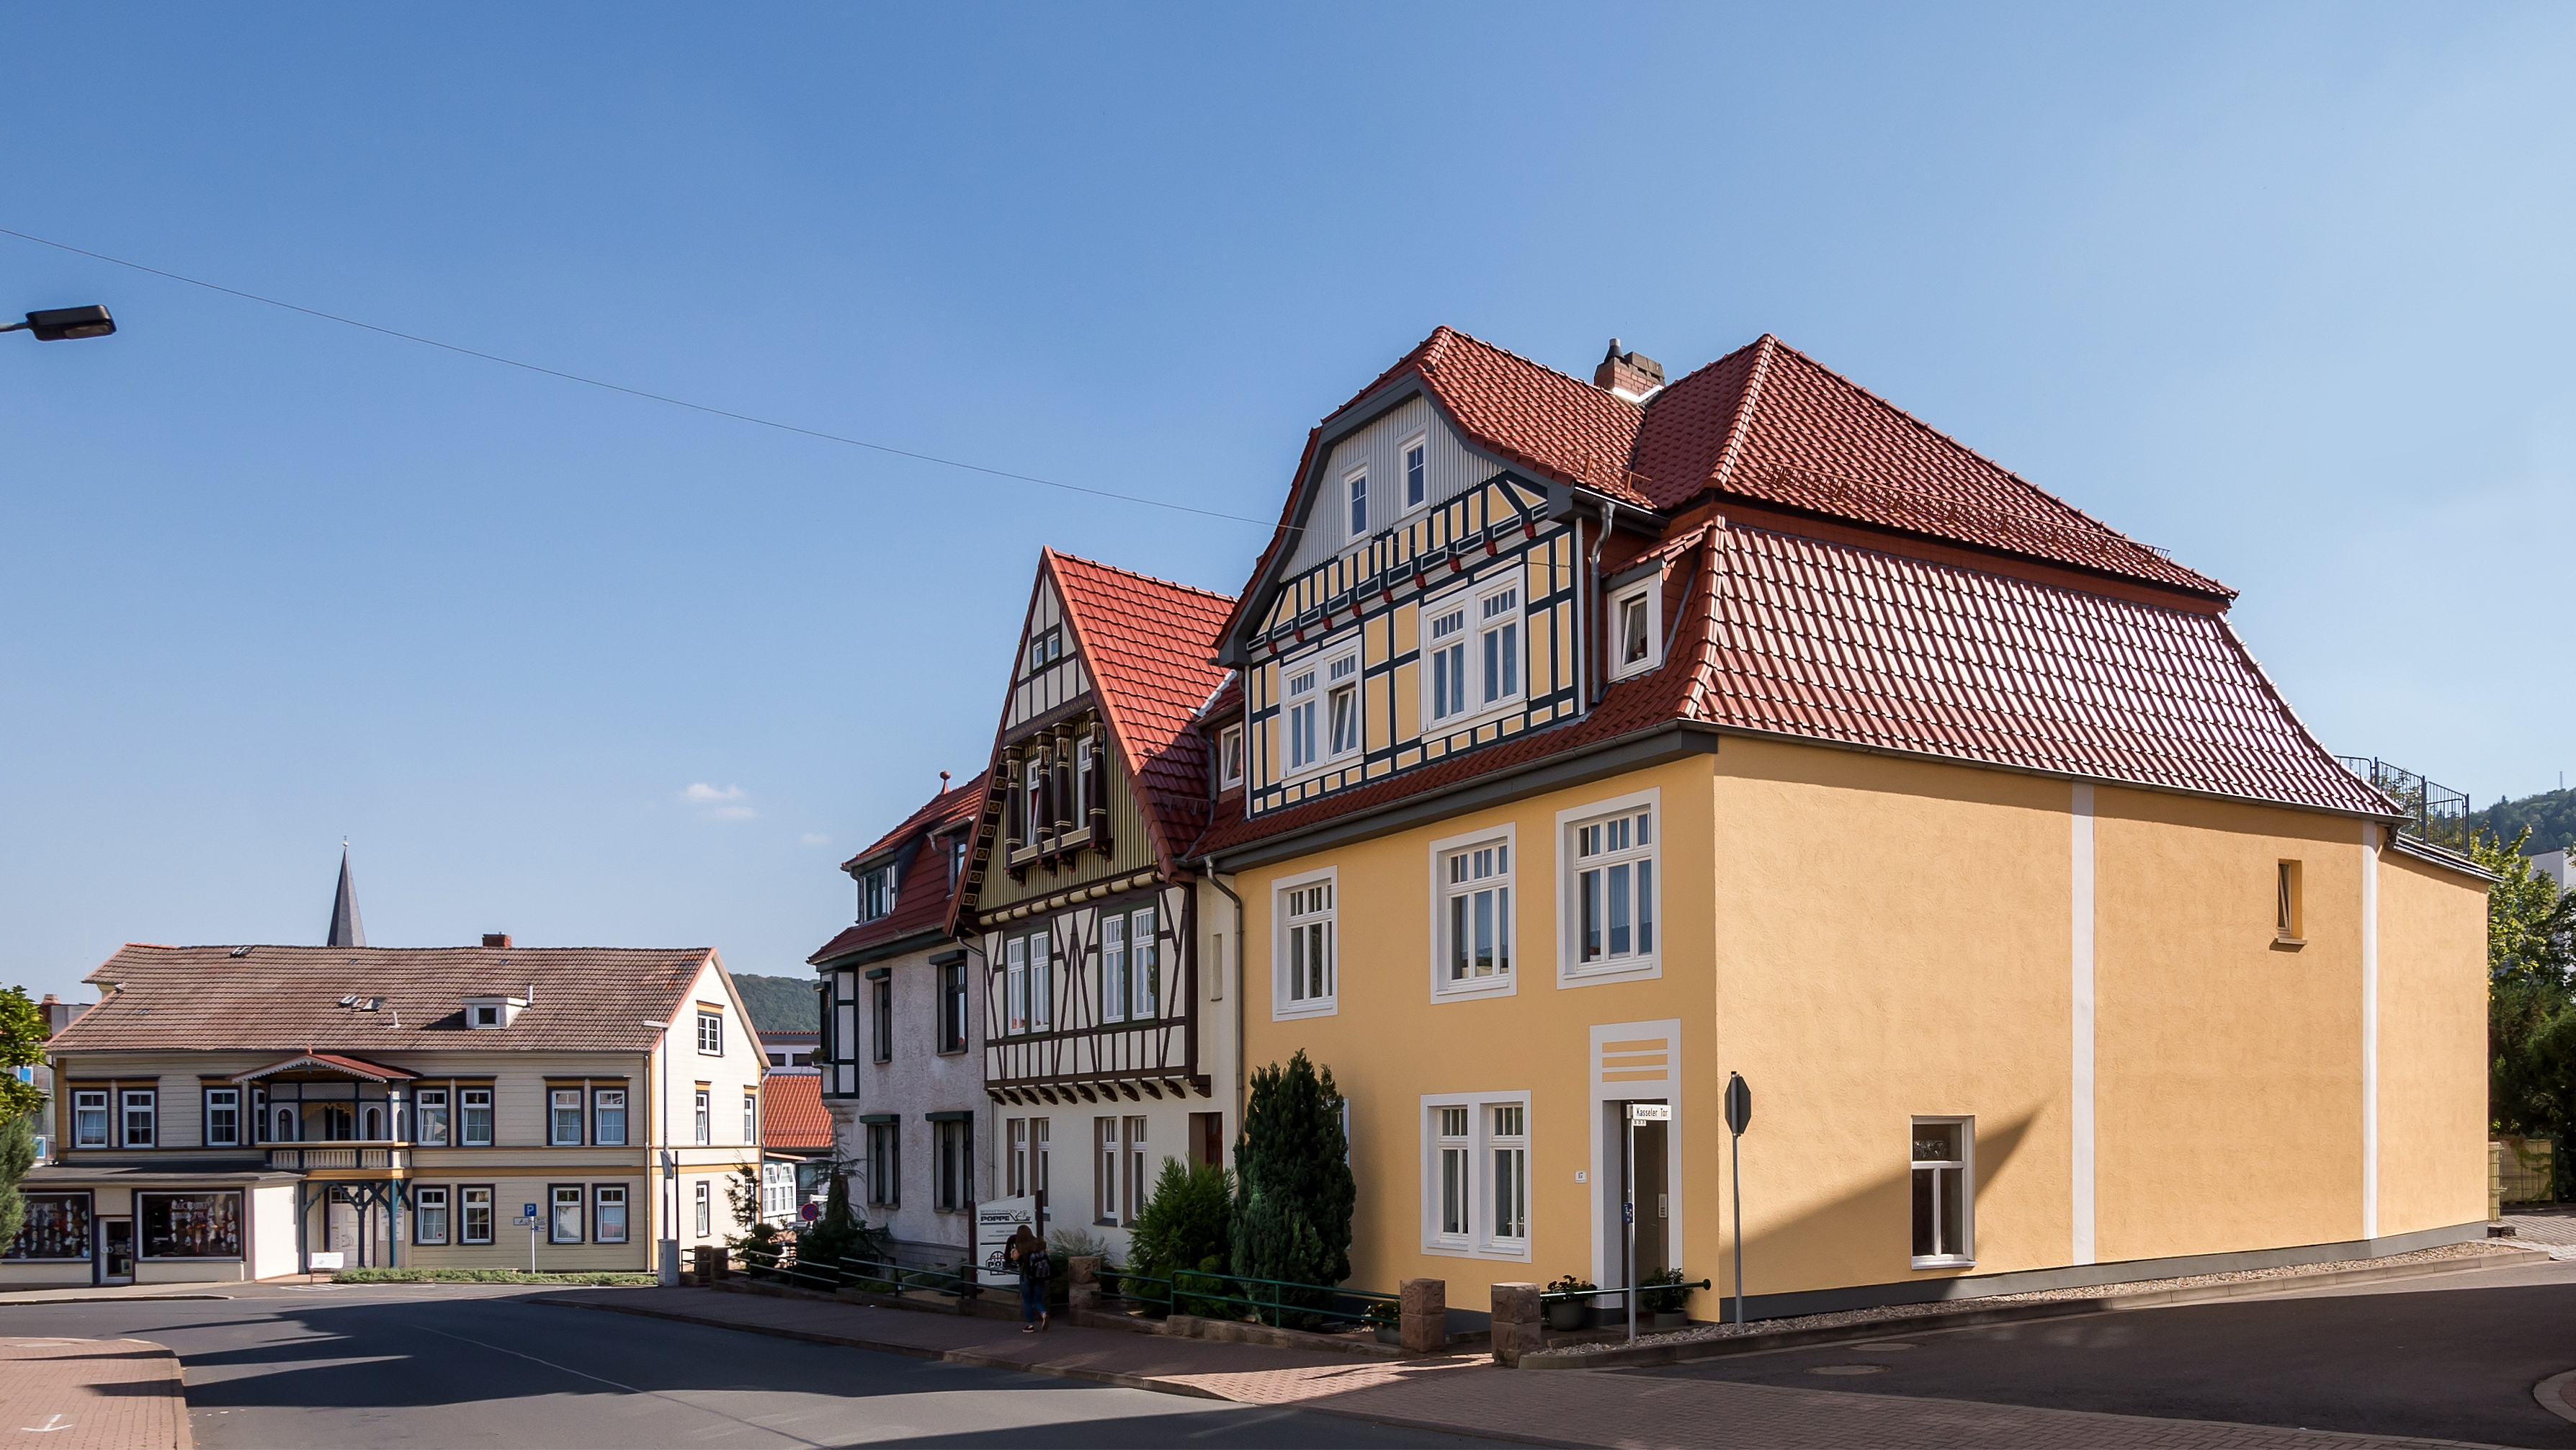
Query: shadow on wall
1861,1238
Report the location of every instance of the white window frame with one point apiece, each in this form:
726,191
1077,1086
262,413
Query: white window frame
1113,966
470,1197
702,1104
710,1034
1042,980
1229,755
1406,463
1650,592
1015,985
1479,1241
222,1100
1315,730
1473,708
424,1099
1571,970
1504,983
1144,964
427,1201
1345,733
561,1196
143,1104
705,1209
603,1197
465,1104
602,1102
90,1100
1966,1168
1282,1008
1357,513
751,1117
560,1101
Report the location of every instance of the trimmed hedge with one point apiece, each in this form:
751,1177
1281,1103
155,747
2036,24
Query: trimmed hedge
480,1276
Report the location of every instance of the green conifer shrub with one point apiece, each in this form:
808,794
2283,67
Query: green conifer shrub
1293,1189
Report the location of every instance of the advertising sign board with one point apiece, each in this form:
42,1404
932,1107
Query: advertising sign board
996,1219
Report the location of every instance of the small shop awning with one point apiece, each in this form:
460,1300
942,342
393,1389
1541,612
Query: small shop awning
332,1063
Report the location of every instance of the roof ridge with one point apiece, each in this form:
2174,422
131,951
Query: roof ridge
1738,430
1135,574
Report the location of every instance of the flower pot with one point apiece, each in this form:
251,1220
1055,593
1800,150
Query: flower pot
1565,1314
1390,1334
1671,1319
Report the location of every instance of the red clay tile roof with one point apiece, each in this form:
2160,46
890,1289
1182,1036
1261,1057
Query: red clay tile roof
921,898
1768,422
1764,422
287,999
1807,639
791,1111
1150,646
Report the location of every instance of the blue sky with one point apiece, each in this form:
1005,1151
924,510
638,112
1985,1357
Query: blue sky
2284,290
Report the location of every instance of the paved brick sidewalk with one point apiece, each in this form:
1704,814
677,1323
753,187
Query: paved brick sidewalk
91,1394
1467,1393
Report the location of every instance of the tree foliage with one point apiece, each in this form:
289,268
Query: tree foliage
839,1234
759,1239
1293,1190
780,1004
2549,817
22,1044
2531,1000
17,1155
1183,1227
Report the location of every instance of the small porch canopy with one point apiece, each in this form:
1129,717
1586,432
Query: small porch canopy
330,1064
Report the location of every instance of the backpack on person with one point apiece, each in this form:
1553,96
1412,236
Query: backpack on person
1041,1267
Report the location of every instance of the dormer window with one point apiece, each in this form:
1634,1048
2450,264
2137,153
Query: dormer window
1636,629
956,851
487,1016
876,892
1229,754
492,1013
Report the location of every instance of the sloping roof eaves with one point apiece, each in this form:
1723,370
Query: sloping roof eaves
286,999
923,893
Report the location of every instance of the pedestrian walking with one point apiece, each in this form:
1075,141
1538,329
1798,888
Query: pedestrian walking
1027,1253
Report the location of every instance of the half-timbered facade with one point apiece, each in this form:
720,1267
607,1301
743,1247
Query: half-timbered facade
1099,989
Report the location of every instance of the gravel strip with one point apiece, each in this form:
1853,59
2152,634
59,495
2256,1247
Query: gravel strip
1885,1313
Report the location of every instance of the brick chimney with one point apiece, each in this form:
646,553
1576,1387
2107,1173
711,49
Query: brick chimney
1630,375
500,939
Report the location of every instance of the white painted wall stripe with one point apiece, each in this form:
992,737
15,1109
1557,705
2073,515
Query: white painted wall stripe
2370,1030
2081,1159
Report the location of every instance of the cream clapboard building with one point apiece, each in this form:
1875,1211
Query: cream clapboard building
230,1112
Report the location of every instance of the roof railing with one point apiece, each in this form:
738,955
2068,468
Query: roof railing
2435,813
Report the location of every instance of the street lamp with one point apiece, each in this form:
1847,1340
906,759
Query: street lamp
62,323
666,1244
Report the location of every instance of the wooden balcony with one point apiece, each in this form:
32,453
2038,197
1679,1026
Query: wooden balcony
306,1157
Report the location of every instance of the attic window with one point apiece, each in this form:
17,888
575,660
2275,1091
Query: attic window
486,1013
487,1016
1636,628
1046,647
1229,751
876,892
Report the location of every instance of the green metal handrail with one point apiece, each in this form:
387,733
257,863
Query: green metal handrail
1276,1306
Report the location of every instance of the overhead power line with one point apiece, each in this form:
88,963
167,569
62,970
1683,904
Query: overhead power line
708,408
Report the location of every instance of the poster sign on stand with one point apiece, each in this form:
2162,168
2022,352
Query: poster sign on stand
996,1219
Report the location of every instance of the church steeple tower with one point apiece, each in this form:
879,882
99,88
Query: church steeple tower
346,929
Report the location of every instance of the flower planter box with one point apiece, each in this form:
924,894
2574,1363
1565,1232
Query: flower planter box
1390,1334
1565,1314
1672,1319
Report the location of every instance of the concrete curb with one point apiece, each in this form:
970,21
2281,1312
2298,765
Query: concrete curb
2552,1394
107,1299
1968,1318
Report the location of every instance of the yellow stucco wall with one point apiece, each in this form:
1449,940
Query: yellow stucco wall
2228,1072
1868,938
2433,1045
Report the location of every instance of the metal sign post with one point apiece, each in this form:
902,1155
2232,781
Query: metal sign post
1739,1115
1637,1113
529,1211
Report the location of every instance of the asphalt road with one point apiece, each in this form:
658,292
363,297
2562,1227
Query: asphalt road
2452,1357
394,1365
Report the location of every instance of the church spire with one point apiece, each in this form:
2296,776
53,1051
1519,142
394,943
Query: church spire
346,929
